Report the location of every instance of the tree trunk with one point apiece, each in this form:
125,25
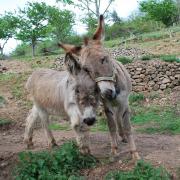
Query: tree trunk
97,9
33,48
1,49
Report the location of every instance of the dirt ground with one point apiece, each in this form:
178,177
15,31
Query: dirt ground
158,149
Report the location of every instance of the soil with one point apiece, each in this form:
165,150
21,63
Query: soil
158,149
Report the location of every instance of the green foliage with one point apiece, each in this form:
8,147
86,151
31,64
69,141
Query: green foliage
2,101
63,163
4,122
170,58
156,119
136,98
61,23
56,126
124,60
165,10
146,58
142,171
8,25
100,125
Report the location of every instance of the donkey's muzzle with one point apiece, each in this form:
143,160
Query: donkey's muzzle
110,94
89,121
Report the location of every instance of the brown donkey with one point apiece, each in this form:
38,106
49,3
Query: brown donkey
70,92
114,83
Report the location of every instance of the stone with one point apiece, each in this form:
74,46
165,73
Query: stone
165,80
163,86
156,87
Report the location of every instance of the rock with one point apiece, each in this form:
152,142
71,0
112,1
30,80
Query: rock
163,86
165,80
156,87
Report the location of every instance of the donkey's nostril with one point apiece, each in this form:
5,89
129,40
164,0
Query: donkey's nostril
110,94
89,121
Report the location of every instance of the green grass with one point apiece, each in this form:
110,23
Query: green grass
146,58
6,77
100,125
136,98
4,122
170,58
56,126
156,119
112,43
2,101
124,60
142,171
60,164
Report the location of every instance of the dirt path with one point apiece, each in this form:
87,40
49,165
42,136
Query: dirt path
159,149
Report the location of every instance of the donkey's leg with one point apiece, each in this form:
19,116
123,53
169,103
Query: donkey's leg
28,135
112,129
119,121
45,124
128,133
82,137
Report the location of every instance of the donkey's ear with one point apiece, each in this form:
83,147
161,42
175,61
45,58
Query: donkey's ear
99,34
71,48
72,65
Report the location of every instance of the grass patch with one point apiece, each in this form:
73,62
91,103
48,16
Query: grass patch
156,119
56,126
146,58
142,171
61,164
136,98
2,101
4,77
100,125
124,60
4,122
170,58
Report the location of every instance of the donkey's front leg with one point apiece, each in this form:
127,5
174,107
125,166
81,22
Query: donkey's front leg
112,129
82,137
129,135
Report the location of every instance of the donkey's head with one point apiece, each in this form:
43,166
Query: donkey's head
86,90
96,61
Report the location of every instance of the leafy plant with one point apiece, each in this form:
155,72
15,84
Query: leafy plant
136,98
4,122
146,58
63,163
142,171
124,60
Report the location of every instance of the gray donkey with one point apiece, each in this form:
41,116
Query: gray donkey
114,83
70,92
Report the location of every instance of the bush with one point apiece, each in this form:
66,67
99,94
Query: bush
170,58
124,60
63,163
142,171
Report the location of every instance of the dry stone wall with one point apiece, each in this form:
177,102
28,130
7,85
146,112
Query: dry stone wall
153,75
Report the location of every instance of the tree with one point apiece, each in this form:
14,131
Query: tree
61,23
8,25
92,7
165,10
33,24
115,18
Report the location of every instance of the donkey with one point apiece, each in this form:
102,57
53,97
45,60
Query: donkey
70,92
114,83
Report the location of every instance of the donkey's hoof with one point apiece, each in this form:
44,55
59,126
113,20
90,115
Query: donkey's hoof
85,150
30,145
135,156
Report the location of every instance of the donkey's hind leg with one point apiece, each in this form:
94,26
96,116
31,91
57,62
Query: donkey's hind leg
128,133
28,135
45,124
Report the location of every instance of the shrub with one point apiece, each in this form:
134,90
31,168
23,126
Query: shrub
124,60
142,171
63,163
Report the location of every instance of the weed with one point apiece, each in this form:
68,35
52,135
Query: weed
2,101
101,125
142,171
170,58
136,98
146,58
63,163
124,60
4,122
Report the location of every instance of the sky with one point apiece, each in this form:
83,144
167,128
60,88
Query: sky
123,7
